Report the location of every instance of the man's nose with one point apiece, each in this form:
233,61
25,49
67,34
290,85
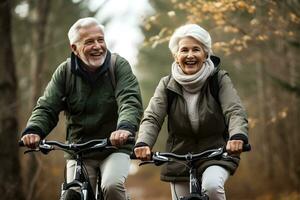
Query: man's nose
97,45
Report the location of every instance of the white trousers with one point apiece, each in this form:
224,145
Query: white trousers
114,171
213,180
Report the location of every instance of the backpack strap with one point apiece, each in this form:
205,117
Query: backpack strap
67,84
68,75
170,96
112,69
214,90
214,87
214,84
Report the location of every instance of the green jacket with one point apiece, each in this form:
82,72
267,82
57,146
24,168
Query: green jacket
212,131
93,107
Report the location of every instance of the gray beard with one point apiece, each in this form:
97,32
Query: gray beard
103,58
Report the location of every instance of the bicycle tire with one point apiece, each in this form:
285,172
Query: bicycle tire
195,197
71,194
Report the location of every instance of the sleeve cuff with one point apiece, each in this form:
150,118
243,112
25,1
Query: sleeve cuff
140,144
34,130
240,136
128,127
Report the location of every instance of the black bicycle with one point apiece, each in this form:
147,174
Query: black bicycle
81,175
190,160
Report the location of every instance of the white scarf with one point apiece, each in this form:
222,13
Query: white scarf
193,83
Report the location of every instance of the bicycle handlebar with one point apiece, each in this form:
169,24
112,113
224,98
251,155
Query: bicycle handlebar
46,146
159,158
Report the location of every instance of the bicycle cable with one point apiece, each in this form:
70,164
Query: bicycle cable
86,174
175,191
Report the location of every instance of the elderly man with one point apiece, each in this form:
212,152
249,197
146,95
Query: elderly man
98,104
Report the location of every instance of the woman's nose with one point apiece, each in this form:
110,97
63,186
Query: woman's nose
190,54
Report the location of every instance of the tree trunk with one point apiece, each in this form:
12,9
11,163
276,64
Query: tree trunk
264,134
10,187
294,150
40,18
38,54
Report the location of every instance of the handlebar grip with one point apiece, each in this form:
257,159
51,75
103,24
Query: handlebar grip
130,140
21,143
133,156
246,147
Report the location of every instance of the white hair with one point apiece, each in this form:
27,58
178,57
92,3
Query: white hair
190,30
73,33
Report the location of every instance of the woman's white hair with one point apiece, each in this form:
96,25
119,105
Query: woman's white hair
73,33
190,30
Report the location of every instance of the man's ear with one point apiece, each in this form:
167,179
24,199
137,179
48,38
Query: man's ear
73,48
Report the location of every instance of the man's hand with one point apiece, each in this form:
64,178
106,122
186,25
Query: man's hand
234,147
119,137
31,140
143,152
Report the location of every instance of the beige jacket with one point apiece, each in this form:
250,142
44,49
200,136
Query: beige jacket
211,133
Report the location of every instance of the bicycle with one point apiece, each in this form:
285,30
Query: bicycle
81,176
195,191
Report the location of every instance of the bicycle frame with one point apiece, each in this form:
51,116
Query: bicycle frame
81,180
195,186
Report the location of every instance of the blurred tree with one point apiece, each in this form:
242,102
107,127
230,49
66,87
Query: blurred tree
9,158
39,15
41,47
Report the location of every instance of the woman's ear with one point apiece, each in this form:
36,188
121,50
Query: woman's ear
206,54
175,58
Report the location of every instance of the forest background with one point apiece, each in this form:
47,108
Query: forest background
258,41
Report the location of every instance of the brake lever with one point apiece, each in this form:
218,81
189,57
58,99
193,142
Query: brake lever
45,148
111,147
220,152
146,162
31,150
158,160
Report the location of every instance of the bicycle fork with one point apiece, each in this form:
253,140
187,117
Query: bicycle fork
195,187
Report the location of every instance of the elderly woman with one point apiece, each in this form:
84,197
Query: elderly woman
197,120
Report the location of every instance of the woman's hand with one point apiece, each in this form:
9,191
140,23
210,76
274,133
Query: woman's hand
143,153
235,147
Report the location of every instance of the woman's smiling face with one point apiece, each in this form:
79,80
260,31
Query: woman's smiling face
190,55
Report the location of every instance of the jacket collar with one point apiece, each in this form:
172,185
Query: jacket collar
216,60
78,69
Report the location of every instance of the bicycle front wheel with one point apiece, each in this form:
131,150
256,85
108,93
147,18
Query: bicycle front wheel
71,194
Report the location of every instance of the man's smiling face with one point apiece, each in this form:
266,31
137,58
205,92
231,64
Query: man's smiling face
91,47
